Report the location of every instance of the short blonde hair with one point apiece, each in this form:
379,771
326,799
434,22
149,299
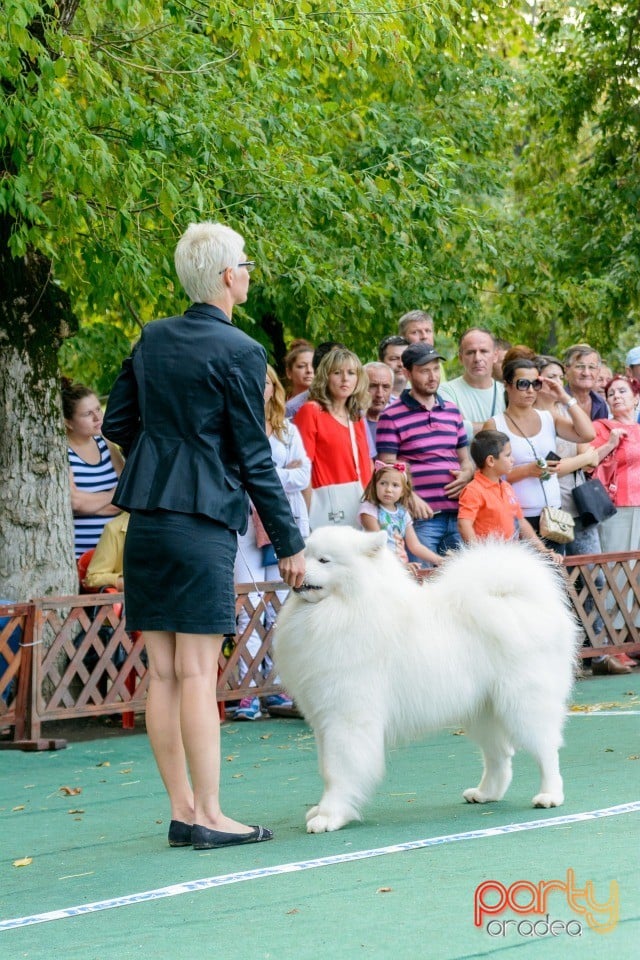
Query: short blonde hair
335,360
203,253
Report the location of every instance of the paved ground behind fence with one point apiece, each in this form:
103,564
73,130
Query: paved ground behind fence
89,823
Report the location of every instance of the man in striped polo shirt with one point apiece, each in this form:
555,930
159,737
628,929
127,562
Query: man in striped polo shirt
426,432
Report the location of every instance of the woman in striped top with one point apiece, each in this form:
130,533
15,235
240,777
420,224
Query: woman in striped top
95,465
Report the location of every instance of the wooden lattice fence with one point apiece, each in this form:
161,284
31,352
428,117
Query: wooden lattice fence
75,658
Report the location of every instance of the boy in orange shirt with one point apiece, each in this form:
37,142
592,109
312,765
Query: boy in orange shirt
488,506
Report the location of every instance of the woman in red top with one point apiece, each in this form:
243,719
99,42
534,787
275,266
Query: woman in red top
618,444
331,423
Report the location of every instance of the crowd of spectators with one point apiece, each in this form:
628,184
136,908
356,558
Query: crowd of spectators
544,425
539,426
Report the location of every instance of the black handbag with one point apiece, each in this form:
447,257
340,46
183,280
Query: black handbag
593,503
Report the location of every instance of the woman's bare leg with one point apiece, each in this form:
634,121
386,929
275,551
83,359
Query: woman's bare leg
196,665
163,723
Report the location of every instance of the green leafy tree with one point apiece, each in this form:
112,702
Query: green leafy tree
345,142
571,266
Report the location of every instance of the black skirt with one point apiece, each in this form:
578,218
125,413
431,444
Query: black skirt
178,573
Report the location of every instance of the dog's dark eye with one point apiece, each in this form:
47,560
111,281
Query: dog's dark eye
322,560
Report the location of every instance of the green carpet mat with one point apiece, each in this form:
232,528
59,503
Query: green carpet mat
90,823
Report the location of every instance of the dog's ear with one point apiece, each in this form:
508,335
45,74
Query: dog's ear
375,542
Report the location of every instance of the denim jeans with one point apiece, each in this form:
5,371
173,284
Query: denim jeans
440,533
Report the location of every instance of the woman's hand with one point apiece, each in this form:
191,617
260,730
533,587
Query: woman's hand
591,458
616,435
292,569
556,389
536,469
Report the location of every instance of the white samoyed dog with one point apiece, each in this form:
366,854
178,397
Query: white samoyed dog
374,658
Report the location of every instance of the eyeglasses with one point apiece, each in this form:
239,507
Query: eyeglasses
249,264
583,367
522,384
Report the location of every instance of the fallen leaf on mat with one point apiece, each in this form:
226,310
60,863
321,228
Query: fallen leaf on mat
595,707
295,910
13,809
634,756
70,791
237,776
231,756
384,889
24,862
128,770
265,736
105,763
458,733
76,811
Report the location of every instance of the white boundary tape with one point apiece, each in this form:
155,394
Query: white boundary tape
604,713
207,883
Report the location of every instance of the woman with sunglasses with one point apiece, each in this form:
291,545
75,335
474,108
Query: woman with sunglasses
533,434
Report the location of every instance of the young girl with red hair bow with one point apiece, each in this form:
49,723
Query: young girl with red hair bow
385,506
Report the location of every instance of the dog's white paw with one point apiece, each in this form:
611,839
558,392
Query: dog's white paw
324,822
321,824
475,795
547,800
317,824
312,812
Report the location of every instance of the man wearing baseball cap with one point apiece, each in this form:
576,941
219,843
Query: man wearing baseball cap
633,363
425,431
633,369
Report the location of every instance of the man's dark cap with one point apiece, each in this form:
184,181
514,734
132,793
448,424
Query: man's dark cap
417,354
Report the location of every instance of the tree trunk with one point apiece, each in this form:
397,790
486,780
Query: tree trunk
36,529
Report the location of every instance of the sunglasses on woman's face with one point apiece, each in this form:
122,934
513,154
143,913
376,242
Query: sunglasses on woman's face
522,384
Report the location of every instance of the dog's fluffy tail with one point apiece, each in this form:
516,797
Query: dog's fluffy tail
508,587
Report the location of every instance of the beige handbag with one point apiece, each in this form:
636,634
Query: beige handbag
557,525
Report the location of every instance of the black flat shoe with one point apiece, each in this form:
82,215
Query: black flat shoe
204,839
179,834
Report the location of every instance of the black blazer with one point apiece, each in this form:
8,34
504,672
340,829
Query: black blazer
188,411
